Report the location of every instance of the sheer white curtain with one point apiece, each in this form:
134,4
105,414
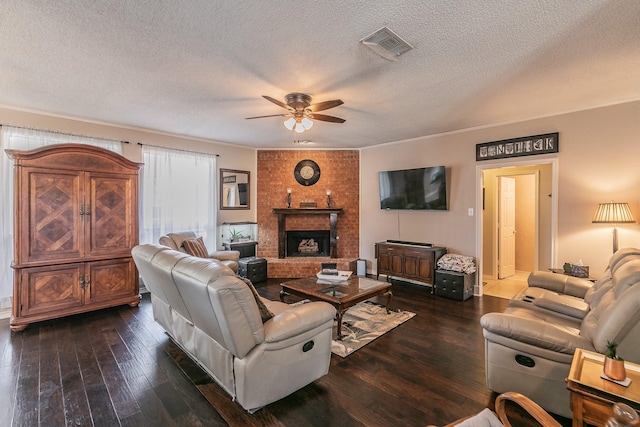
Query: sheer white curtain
178,193
26,139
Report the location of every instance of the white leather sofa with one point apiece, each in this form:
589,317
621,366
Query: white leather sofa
175,240
529,347
213,316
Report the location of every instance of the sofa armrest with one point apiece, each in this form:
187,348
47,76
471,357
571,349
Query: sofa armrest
560,283
298,320
225,255
558,338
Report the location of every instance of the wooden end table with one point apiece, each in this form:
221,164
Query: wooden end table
592,397
341,295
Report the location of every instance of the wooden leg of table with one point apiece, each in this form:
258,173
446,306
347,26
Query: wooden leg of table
577,410
339,331
389,294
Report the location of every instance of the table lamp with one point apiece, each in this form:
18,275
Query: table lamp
613,213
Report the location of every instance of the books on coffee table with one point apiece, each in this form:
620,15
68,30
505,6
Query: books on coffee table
334,275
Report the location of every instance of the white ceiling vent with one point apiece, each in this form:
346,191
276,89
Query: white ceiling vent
386,43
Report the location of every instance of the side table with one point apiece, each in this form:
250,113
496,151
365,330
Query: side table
592,397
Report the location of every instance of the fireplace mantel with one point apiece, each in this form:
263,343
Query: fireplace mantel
307,211
333,230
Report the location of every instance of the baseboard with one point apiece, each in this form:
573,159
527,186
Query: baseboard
5,313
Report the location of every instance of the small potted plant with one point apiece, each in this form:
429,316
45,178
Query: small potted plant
614,364
236,235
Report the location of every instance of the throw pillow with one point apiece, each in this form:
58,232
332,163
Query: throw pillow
265,313
196,247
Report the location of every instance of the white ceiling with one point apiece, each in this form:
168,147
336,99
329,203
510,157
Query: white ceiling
199,67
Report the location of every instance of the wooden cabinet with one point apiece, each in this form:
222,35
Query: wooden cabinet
75,225
408,260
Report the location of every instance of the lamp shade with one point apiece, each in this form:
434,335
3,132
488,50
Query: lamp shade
290,123
613,213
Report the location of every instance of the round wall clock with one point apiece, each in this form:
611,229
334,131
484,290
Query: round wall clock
307,172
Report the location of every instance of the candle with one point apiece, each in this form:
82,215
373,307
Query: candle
288,191
328,192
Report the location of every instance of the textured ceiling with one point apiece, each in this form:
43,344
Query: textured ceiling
199,67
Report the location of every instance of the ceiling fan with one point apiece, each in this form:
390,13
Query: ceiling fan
301,111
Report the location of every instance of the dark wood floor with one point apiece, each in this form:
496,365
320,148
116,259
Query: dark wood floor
117,367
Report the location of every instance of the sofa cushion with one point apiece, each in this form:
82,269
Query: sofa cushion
196,247
484,418
265,313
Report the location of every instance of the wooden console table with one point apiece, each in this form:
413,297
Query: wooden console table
408,260
592,397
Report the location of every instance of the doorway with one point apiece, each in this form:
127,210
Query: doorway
516,229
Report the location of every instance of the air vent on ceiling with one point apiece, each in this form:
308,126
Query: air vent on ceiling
387,44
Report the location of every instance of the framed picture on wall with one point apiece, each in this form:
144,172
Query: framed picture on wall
518,147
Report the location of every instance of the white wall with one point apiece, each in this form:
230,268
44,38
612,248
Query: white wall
230,156
599,160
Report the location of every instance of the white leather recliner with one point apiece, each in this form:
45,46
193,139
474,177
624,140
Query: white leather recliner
214,317
529,348
175,240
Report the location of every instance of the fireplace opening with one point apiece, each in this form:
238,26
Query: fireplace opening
308,243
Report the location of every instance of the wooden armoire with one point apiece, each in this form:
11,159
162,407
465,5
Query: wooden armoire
76,221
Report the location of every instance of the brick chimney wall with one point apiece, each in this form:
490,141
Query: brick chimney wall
339,172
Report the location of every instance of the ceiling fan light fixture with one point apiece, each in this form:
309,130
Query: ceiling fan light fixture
307,123
290,123
299,128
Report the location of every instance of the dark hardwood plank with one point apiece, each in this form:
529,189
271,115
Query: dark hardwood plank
118,367
51,406
76,406
28,387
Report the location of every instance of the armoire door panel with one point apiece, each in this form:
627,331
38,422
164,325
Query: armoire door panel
52,206
109,223
110,279
49,289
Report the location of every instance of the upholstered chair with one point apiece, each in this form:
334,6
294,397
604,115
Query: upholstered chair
176,242
528,413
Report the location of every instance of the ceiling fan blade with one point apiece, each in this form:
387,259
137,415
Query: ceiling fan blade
275,101
270,115
325,118
325,105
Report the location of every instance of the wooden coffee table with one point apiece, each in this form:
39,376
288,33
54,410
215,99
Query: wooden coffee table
341,295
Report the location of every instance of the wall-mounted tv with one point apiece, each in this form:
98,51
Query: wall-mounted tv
414,189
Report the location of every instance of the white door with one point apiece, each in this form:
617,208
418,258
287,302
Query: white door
507,227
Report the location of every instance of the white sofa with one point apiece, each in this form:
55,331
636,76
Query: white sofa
214,317
529,347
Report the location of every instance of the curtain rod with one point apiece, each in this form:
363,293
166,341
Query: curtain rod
179,149
63,133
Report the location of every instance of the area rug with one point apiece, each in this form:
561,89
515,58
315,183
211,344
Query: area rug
363,323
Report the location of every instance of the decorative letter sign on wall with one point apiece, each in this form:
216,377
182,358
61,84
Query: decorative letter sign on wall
518,147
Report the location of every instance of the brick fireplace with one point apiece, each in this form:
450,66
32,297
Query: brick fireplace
339,174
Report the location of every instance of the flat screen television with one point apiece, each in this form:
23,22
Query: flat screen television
414,189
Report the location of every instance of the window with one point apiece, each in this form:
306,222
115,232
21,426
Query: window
178,193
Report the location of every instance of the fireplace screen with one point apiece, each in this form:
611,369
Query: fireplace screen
308,243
